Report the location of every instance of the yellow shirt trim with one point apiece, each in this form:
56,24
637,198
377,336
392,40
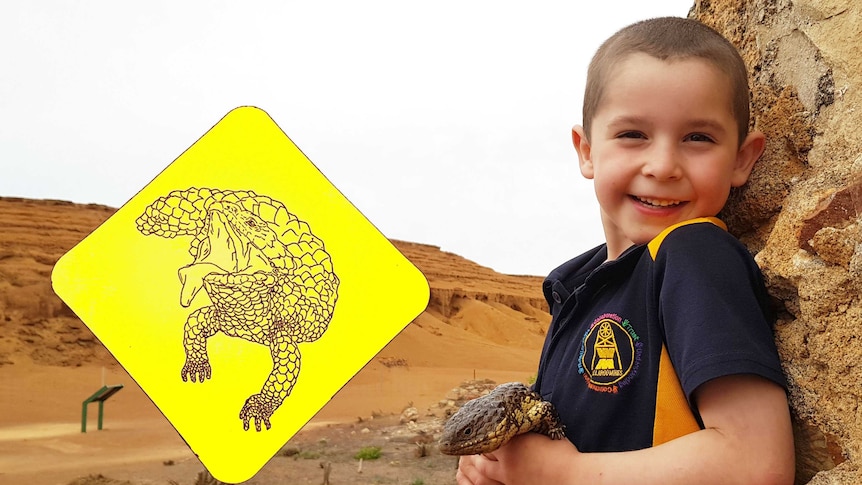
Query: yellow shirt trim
656,242
673,416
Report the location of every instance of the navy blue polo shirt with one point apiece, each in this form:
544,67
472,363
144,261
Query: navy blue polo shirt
631,339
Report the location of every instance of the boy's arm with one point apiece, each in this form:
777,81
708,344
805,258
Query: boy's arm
748,439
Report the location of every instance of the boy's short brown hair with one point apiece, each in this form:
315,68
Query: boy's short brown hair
669,38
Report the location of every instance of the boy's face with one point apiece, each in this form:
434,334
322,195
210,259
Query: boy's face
664,147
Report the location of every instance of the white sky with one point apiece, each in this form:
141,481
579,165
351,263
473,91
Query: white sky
444,122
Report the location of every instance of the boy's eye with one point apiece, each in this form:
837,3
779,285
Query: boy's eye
631,134
699,137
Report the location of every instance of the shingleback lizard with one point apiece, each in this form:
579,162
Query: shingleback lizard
486,423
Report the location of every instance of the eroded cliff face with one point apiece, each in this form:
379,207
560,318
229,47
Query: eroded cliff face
505,310
800,212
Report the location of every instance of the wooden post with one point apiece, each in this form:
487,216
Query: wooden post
327,469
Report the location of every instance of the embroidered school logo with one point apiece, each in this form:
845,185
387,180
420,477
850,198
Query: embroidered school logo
610,354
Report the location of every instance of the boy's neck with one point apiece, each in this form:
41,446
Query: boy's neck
616,241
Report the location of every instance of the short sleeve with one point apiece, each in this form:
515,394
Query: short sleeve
714,308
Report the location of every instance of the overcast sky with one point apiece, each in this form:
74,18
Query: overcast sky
445,122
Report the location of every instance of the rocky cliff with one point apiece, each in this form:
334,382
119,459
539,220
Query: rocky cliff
800,212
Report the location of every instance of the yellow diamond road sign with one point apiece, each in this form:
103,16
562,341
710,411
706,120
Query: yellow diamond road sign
241,290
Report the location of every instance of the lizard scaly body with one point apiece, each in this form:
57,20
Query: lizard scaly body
488,422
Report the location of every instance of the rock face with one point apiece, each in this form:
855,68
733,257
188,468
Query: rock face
800,212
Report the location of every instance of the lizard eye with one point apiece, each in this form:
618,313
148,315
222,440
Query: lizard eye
468,431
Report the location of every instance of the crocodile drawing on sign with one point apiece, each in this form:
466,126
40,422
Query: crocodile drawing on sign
270,281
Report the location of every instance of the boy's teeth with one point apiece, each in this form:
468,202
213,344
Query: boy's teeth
658,202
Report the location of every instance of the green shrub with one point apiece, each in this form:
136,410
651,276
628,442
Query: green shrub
309,455
368,453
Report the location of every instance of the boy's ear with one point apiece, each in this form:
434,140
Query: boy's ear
582,146
750,150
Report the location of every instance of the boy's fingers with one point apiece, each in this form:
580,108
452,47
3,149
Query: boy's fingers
474,470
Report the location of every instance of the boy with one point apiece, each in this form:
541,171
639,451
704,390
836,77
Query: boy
660,357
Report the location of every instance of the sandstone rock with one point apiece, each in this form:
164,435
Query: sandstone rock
410,414
800,212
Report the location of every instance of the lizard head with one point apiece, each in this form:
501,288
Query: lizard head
480,426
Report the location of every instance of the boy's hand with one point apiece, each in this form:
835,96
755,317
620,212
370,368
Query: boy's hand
523,460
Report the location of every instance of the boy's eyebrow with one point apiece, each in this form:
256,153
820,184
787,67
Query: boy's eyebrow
707,124
627,120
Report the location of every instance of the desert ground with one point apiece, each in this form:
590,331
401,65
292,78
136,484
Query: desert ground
479,328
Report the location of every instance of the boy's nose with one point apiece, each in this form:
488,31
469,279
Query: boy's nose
662,163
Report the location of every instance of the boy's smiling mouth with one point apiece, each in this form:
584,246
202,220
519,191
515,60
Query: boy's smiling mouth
661,203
